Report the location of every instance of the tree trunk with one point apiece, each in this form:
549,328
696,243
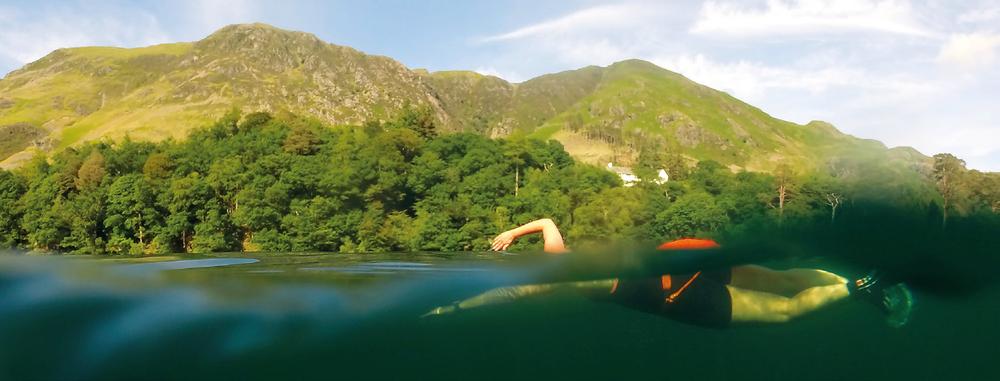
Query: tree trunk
141,234
247,240
517,179
781,202
833,200
945,198
944,214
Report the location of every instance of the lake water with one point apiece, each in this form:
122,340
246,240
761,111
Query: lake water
333,316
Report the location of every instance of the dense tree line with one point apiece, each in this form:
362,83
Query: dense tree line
964,191
259,182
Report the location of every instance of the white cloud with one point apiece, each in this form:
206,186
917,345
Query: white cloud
28,37
506,75
808,17
970,51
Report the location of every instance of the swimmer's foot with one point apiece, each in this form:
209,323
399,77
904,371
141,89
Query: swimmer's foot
895,300
442,310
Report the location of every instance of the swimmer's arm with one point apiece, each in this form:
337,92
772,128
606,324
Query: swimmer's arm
550,234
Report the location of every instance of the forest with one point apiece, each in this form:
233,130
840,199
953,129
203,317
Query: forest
278,183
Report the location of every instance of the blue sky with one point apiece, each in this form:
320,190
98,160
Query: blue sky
915,73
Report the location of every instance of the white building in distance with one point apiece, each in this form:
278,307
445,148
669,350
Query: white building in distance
630,179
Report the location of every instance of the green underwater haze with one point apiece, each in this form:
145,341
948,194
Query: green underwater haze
322,316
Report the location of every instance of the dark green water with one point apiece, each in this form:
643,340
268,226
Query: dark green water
340,316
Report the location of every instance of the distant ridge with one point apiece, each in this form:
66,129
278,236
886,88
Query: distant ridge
600,114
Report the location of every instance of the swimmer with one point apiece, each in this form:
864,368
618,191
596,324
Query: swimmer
713,298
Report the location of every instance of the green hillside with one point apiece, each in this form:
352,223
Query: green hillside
82,94
599,113
612,113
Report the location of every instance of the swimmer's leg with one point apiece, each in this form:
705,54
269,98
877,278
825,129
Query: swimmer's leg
509,294
505,295
757,306
782,282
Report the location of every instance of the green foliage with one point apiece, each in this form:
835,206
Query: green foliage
963,191
690,216
157,167
265,183
12,187
91,172
39,207
131,209
419,120
606,218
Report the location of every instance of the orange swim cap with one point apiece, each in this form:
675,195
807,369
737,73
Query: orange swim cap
688,244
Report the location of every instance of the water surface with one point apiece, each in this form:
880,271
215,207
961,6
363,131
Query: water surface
329,316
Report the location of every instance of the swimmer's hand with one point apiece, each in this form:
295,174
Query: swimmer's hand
442,310
503,241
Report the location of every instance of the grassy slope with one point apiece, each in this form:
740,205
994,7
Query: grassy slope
17,137
638,103
73,92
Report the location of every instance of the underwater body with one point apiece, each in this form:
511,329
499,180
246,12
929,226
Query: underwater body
278,316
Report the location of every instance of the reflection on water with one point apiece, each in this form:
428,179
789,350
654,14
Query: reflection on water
332,316
183,264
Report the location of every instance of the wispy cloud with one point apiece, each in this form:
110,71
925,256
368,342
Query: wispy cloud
808,17
601,17
597,35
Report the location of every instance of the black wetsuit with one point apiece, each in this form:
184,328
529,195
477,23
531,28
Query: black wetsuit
703,300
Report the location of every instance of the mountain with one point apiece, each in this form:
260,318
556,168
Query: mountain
603,113
79,94
600,114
